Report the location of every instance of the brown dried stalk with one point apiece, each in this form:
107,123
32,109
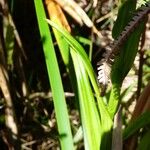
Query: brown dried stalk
9,109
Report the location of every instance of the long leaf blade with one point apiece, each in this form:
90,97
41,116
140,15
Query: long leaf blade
64,129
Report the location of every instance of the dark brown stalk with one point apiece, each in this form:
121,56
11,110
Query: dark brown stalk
9,108
141,62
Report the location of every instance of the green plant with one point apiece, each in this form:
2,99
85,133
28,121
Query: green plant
102,121
57,102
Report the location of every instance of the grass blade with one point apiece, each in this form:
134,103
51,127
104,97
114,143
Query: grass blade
64,129
104,115
89,114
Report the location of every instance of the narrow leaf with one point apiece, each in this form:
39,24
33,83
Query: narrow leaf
137,124
64,129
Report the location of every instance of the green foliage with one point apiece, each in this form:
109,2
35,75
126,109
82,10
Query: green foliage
144,143
137,124
96,112
125,14
55,80
89,113
127,52
83,70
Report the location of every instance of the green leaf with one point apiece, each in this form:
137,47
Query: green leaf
79,49
114,99
89,114
105,120
64,129
125,14
136,125
144,143
86,99
64,49
127,53
86,42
